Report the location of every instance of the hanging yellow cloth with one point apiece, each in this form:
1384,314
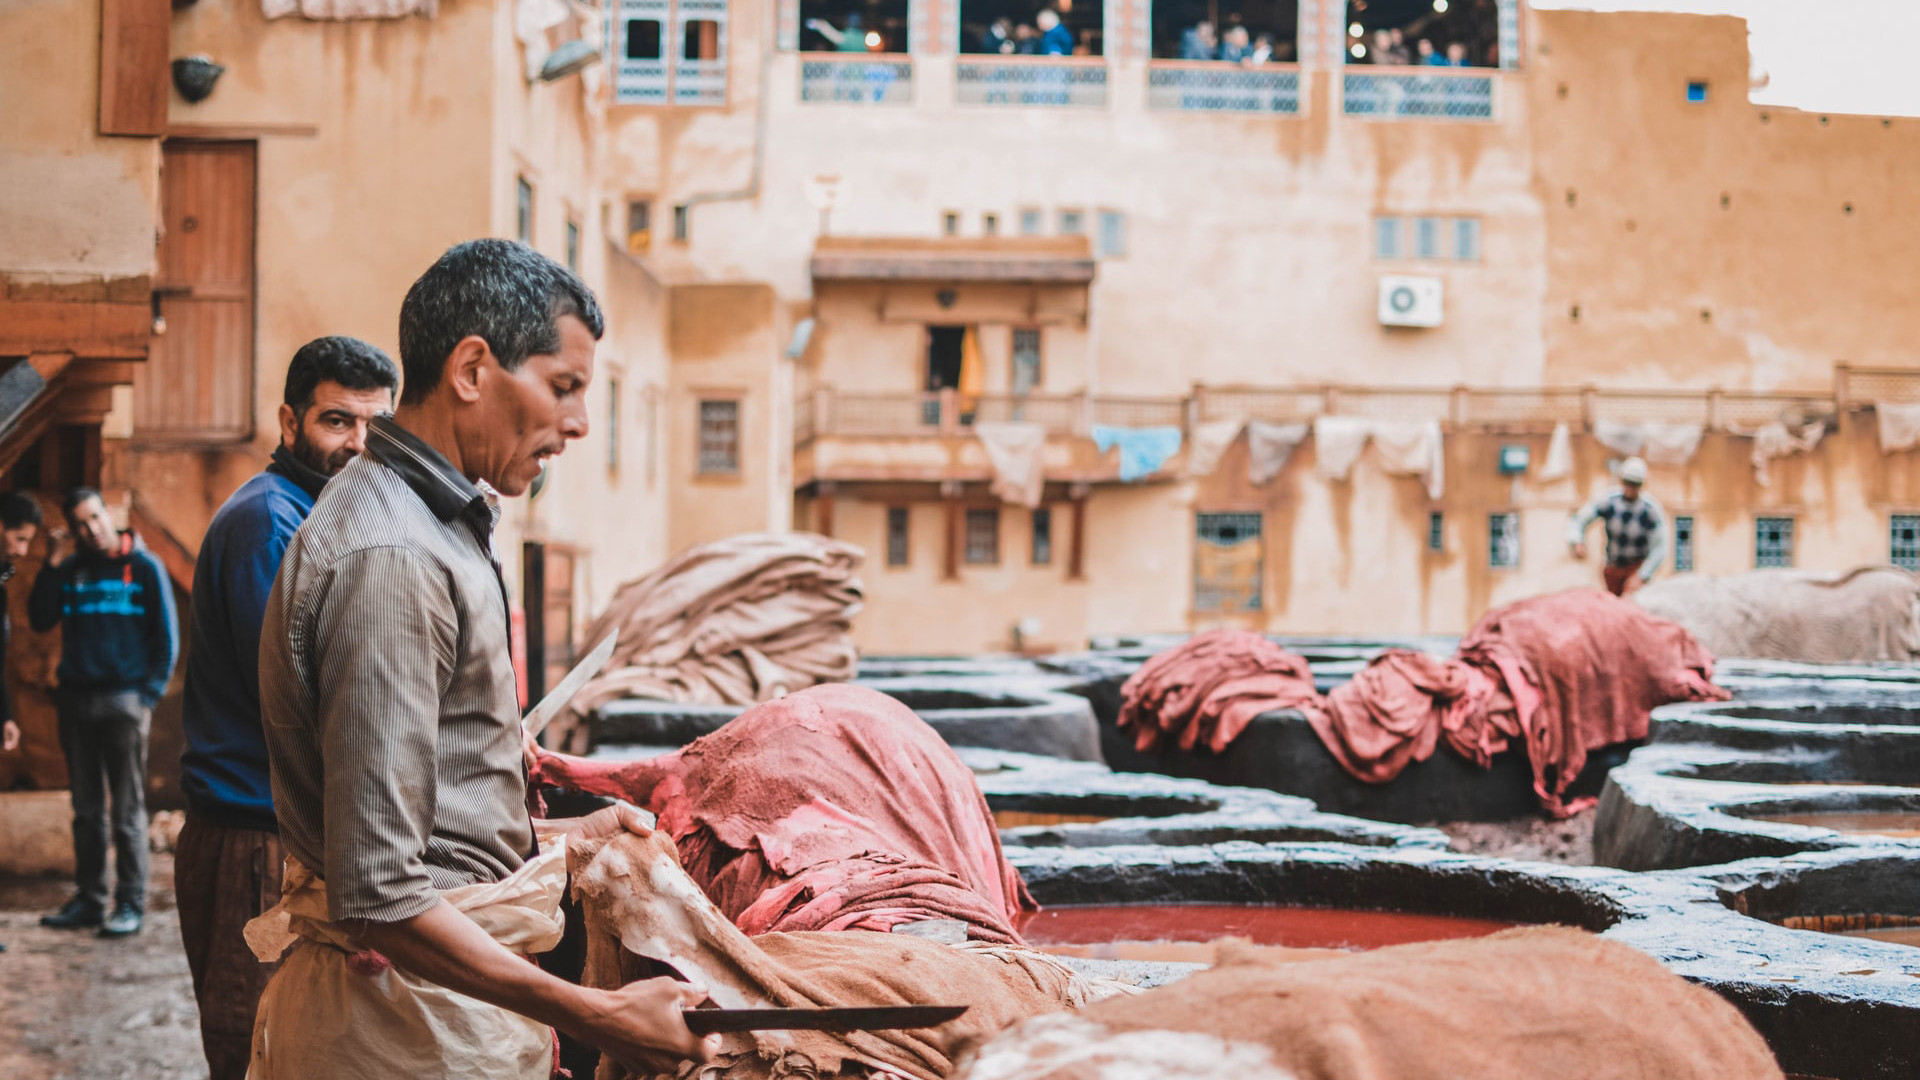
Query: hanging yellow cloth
973,370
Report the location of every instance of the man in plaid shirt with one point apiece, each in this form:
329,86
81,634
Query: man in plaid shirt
1636,530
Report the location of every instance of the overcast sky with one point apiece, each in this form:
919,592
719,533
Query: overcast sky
1841,56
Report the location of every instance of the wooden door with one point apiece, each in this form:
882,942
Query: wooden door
197,383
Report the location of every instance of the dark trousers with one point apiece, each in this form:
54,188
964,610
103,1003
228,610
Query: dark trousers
104,735
222,878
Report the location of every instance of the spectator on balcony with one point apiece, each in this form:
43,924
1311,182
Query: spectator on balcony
1055,39
1237,46
1427,55
999,37
1026,40
853,39
1387,51
1197,42
1456,54
1262,50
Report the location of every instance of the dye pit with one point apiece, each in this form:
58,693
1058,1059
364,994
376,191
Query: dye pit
1904,824
1188,933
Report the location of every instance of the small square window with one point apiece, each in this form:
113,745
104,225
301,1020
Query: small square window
950,223
682,222
1466,239
573,245
1042,536
1697,91
897,536
1436,531
1032,222
522,210
1903,543
643,39
1386,238
1503,540
989,224
1426,238
1072,223
639,226
1683,544
719,437
701,40
1026,359
983,536
1773,541
1113,234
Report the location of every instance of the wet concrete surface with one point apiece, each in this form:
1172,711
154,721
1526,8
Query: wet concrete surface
79,1007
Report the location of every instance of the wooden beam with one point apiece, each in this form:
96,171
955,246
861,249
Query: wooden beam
134,71
1076,551
950,562
823,512
242,131
107,331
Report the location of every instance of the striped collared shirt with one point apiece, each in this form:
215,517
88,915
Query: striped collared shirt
387,691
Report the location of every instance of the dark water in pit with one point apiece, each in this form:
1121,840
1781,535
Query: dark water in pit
1898,823
1186,932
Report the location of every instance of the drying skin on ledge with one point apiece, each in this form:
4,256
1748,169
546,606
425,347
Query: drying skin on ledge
1868,614
835,808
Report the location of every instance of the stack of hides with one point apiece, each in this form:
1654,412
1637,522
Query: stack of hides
1206,691
1864,615
1565,674
835,808
734,622
1519,1005
644,916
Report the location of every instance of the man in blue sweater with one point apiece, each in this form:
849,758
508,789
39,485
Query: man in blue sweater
227,860
117,649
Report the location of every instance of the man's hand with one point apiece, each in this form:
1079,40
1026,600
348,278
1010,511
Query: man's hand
60,546
640,1026
1580,552
9,736
599,825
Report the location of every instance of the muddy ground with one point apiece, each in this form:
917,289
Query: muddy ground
1535,839
74,1006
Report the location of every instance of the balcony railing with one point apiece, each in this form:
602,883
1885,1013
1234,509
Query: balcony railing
1421,93
700,82
856,79
1215,87
1062,81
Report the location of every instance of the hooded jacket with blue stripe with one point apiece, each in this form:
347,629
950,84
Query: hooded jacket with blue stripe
117,618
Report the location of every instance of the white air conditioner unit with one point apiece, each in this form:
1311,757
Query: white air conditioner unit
1406,300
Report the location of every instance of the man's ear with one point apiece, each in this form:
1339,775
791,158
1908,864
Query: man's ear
289,425
469,358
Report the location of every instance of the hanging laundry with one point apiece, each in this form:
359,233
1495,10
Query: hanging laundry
342,10
1269,446
1671,444
1774,440
1338,440
1899,425
1016,451
1413,448
1143,451
1210,442
1627,440
973,370
1559,463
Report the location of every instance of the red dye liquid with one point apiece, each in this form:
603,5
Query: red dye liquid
1185,932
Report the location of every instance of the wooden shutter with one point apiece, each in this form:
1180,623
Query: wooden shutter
133,66
197,383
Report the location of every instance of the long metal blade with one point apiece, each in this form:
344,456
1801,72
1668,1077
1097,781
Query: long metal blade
707,1021
549,706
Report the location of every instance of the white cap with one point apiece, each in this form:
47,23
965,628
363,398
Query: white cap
1633,471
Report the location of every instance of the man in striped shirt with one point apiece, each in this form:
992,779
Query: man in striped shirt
1636,528
417,887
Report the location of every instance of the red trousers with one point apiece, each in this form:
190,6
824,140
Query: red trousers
1622,580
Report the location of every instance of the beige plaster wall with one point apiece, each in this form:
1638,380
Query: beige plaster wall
79,205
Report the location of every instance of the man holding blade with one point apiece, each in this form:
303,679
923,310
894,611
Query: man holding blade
417,886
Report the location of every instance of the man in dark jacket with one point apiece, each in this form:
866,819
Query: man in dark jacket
227,860
117,651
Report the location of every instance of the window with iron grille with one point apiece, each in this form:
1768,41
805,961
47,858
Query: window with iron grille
950,223
1386,238
1042,536
1072,223
1903,541
1503,540
720,436
1466,239
990,224
1026,359
1229,562
1032,222
1773,541
1683,544
523,210
897,537
1426,238
1436,531
983,536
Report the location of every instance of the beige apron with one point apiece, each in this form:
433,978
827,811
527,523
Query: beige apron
321,1019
